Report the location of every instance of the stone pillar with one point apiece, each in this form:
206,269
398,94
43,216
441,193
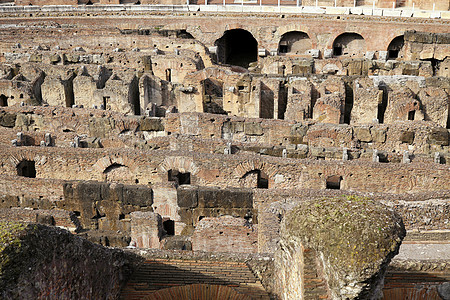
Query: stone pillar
146,229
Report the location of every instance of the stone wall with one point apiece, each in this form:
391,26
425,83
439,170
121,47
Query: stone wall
51,262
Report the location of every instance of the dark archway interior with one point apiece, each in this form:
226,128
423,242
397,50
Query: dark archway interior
395,47
178,177
169,227
237,47
3,100
296,42
349,44
26,168
334,182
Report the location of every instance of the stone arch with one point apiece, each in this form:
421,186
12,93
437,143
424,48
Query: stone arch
395,48
349,44
237,47
35,160
179,163
118,173
111,164
257,168
294,42
207,292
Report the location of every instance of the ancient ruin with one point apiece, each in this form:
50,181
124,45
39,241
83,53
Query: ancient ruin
226,150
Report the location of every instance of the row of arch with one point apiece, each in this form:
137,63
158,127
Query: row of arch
239,47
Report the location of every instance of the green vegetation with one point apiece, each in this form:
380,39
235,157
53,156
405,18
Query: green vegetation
9,237
353,233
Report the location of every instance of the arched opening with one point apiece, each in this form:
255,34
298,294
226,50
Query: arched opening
3,100
349,44
334,182
118,173
294,42
237,47
178,177
255,178
395,48
26,168
169,227
213,96
411,115
183,34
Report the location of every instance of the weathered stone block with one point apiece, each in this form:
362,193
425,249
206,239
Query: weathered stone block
7,119
150,124
407,137
363,134
100,127
253,129
438,136
378,135
187,196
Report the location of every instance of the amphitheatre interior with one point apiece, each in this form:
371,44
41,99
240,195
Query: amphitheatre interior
224,149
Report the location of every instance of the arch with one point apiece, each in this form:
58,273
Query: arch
109,163
255,178
118,173
349,44
180,164
294,42
26,168
237,47
395,48
193,291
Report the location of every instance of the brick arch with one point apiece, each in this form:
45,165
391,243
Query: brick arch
295,27
192,291
107,161
182,164
336,35
251,165
15,159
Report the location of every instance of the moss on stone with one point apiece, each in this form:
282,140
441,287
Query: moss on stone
354,235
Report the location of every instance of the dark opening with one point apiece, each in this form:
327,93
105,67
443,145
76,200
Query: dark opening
393,54
178,177
237,47
121,216
3,100
337,51
168,75
334,182
266,103
183,34
169,227
383,105
77,213
138,3
411,115
263,181
213,96
282,100
26,168
348,102
395,47
89,3
283,49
